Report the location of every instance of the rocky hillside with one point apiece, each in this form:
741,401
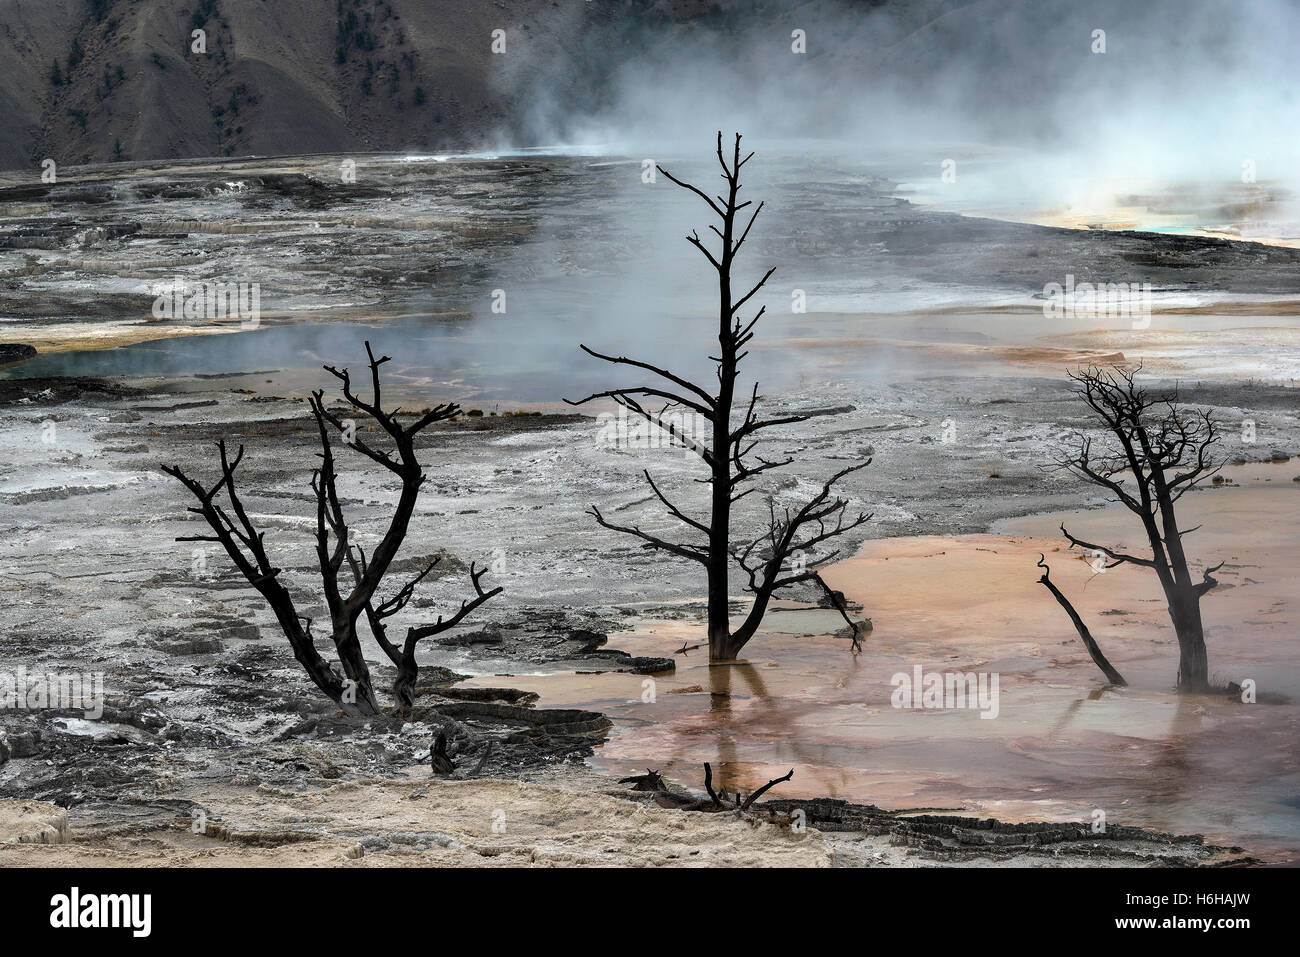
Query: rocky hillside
102,80
106,80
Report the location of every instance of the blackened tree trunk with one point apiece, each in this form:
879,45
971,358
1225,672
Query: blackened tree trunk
729,451
722,647
1166,449
1085,635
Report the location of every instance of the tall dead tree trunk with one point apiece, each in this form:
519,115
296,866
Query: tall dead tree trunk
1167,450
727,452
354,689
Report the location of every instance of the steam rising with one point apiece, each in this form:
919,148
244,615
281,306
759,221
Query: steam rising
1178,114
1185,90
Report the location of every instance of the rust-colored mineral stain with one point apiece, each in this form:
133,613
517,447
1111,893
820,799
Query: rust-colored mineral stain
1063,745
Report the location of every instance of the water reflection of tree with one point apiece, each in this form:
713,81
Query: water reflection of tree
1167,776
726,683
1068,715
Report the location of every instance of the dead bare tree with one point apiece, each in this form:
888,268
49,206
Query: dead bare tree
1166,449
1094,650
353,690
730,455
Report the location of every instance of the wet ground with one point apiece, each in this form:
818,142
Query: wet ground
1060,744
